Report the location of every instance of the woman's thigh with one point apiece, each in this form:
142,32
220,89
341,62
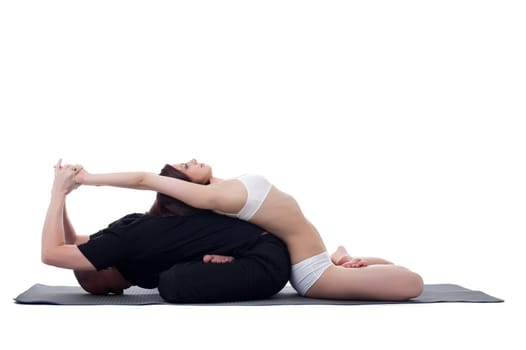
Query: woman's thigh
376,282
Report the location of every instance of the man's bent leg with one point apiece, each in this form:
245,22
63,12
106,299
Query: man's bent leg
261,272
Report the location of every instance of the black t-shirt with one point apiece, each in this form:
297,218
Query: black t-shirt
141,246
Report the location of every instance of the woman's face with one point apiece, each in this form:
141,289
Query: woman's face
197,172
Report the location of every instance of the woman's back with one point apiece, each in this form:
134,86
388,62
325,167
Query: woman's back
280,214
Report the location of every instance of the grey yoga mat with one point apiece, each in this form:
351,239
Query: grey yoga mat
66,295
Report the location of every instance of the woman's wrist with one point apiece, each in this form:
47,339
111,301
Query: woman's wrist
83,178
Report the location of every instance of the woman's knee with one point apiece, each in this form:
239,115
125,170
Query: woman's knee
414,284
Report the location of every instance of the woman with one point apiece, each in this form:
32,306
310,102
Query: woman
254,199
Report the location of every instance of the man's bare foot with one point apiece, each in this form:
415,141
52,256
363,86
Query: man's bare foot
217,259
341,257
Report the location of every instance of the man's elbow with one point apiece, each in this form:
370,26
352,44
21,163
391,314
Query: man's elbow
65,256
48,257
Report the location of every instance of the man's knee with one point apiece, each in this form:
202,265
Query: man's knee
170,287
199,282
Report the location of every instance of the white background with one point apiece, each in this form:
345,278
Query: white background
396,124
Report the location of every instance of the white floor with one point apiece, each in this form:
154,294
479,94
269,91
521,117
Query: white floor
429,326
433,326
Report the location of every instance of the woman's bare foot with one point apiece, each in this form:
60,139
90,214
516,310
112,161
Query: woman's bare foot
341,257
354,263
217,259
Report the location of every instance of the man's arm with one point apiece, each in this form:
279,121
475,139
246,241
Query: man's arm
55,251
71,236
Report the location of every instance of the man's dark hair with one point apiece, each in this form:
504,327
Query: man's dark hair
107,281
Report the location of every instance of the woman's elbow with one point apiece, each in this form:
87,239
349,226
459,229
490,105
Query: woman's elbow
140,180
145,181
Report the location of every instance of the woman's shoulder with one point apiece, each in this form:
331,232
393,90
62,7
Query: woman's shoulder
249,177
248,181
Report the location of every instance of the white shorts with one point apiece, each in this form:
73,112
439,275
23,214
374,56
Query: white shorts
305,273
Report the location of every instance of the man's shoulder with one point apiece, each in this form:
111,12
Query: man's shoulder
129,219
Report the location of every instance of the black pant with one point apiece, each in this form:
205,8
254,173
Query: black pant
259,273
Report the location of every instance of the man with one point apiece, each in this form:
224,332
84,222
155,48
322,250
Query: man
170,253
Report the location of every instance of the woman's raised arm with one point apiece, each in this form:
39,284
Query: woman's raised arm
221,196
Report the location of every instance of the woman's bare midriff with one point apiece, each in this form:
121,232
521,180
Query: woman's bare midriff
281,215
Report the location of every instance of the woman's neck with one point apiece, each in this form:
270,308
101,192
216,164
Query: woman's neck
214,180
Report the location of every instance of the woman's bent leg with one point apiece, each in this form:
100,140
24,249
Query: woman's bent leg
341,257
377,282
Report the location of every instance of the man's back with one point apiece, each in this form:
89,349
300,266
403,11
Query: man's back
141,246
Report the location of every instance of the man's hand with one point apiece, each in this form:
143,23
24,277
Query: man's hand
81,175
64,181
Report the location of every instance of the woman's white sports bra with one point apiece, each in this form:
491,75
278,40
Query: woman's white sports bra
258,188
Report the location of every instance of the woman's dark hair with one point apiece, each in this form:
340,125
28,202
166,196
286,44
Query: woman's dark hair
168,206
